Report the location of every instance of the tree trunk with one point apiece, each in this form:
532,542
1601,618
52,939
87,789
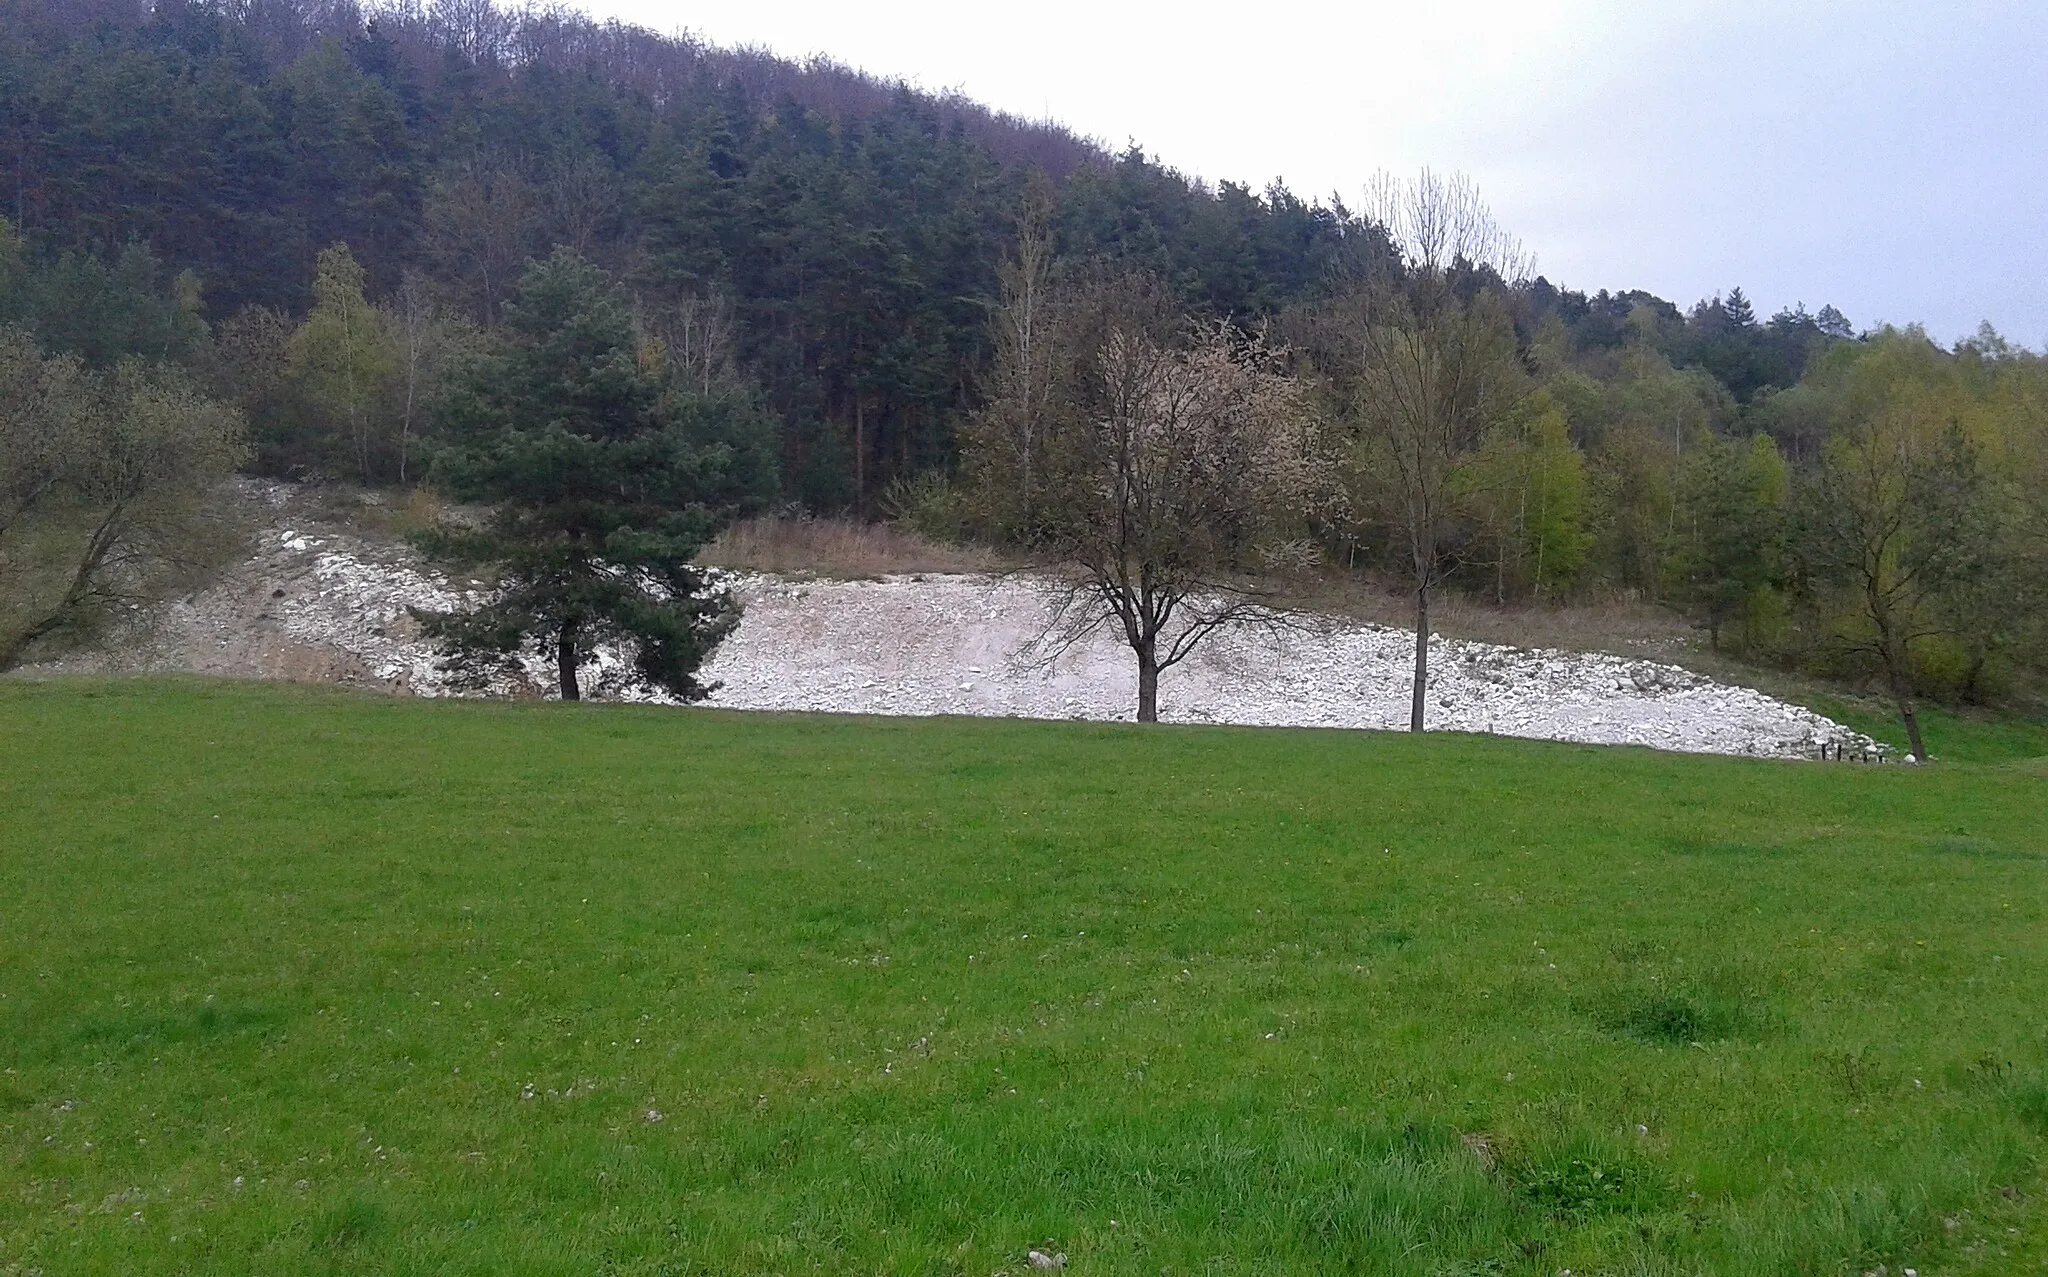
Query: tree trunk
13,649
1898,674
1913,739
1148,682
1421,659
565,659
1902,695
860,455
97,547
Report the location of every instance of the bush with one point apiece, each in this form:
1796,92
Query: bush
927,505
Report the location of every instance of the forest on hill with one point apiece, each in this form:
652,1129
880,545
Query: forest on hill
314,216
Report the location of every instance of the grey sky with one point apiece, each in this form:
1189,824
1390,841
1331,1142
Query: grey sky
1886,157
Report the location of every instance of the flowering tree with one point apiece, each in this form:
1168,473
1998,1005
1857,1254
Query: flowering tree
1165,463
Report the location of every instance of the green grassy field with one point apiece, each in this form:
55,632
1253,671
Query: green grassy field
1951,736
294,981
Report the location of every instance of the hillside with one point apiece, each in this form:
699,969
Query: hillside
311,229
832,242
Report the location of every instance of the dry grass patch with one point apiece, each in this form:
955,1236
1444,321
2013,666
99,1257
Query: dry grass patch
838,548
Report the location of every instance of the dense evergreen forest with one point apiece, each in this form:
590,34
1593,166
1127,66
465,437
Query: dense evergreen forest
316,210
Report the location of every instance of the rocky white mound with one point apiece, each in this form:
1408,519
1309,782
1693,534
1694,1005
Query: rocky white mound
965,645
319,604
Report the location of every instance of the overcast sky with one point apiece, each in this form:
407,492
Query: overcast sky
1890,158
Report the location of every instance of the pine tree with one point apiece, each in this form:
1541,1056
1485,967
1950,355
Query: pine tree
1740,314
1833,323
601,486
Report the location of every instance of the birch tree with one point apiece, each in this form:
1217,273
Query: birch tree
1021,384
344,358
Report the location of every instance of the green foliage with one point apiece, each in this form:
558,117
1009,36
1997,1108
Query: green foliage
1901,537
345,362
601,491
1578,1189
928,505
104,491
1727,547
911,996
248,364
102,310
854,228
1528,487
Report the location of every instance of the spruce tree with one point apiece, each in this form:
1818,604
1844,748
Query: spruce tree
1741,315
600,488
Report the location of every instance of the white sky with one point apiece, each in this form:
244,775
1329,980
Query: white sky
1888,157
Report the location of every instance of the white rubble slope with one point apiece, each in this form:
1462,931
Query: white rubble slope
314,604
965,645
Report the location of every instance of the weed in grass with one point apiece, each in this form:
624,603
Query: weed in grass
346,1225
1678,1010
1581,1188
1854,1073
1677,1017
2030,1101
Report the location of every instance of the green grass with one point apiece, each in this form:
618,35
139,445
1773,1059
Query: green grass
295,981
1952,736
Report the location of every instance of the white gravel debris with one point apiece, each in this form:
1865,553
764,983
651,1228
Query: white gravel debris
322,604
899,645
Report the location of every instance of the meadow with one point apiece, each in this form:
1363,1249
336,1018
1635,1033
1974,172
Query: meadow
298,980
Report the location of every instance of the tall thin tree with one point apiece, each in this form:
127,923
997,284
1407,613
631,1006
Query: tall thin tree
1431,365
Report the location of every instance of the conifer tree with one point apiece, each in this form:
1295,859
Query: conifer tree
1740,314
601,486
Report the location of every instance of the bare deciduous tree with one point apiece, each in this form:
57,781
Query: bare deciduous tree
482,226
425,334
1021,382
1427,364
698,338
1164,464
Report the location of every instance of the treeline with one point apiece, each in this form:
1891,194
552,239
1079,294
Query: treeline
835,237
831,239
1882,520
320,213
